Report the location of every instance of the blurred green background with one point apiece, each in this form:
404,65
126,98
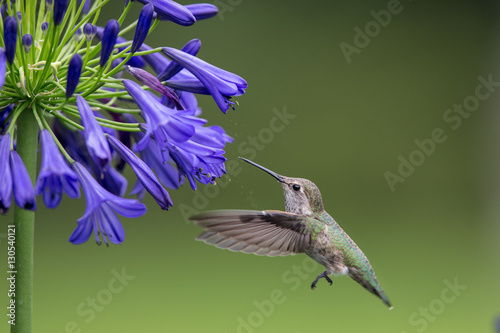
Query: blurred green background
348,125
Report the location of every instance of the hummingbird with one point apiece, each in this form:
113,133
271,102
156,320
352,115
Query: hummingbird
304,227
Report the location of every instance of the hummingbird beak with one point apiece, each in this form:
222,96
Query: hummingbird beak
274,174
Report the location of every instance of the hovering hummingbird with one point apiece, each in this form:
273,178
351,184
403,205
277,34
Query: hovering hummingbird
305,227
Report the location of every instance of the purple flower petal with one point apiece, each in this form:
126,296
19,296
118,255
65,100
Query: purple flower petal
5,174
143,173
3,66
158,117
24,194
151,81
97,145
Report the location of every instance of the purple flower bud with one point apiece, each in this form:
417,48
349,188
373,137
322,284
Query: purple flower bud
3,11
86,6
192,47
172,11
143,172
143,25
108,40
10,38
19,16
202,10
55,175
24,194
97,145
5,174
3,67
45,26
60,7
149,80
89,31
27,41
74,71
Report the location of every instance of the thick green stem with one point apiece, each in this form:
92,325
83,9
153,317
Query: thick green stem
24,221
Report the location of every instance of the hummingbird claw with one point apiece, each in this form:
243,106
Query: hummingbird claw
322,275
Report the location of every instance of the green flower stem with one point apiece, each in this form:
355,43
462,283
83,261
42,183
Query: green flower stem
24,221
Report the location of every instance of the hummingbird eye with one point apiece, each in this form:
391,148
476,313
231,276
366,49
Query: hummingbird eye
296,187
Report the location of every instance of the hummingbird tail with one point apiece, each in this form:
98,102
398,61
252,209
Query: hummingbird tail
371,284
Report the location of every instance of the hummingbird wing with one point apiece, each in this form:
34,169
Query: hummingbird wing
266,233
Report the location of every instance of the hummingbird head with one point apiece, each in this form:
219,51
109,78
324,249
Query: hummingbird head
302,196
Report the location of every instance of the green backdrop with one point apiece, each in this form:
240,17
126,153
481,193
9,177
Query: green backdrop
406,99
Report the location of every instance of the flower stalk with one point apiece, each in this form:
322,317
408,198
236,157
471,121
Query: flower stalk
24,223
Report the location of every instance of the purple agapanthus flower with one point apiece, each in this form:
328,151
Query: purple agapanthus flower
100,214
90,125
219,83
55,175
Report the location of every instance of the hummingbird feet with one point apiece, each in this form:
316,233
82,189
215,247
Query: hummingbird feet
322,275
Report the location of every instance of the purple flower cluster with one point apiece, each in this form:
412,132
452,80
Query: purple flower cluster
93,123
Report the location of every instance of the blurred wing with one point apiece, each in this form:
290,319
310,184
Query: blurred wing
266,233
